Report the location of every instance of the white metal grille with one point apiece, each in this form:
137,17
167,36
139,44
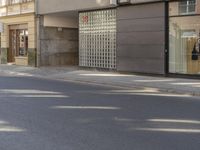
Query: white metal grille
97,39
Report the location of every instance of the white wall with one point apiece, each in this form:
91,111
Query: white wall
144,1
52,6
60,21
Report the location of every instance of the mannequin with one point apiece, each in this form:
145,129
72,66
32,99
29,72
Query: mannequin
196,49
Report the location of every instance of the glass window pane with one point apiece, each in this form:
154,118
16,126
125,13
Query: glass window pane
185,7
184,54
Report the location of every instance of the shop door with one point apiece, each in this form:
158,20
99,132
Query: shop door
18,44
12,46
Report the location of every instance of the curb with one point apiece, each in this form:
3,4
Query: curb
105,84
136,86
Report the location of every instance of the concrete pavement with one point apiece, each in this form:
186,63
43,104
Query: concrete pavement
76,74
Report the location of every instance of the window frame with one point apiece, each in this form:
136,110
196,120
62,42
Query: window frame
187,8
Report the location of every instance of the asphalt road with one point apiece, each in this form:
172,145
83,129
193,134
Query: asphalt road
39,114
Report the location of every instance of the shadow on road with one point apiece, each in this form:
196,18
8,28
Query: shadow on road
47,115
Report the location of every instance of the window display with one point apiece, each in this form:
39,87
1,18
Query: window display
23,43
184,38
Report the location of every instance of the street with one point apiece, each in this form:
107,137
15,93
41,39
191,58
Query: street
41,114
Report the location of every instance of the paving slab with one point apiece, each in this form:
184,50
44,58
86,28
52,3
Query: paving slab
76,74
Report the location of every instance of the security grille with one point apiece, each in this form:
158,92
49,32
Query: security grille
97,39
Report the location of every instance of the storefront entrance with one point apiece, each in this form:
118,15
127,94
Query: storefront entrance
18,43
184,37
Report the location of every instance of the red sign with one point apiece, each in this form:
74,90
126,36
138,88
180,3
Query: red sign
85,19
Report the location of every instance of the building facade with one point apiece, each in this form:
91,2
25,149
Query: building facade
141,36
18,32
58,30
119,35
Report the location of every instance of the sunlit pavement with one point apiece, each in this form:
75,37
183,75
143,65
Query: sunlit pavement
39,114
74,73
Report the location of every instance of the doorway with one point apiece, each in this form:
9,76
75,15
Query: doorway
18,43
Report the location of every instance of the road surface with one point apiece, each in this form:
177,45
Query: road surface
40,114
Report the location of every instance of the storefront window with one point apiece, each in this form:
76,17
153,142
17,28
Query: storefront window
184,38
23,42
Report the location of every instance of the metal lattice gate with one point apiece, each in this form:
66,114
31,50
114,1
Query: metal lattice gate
97,39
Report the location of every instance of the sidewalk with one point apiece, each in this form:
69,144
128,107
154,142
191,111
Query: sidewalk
75,74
